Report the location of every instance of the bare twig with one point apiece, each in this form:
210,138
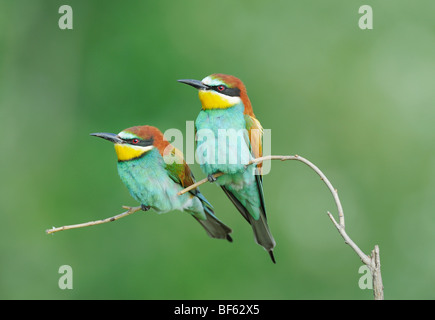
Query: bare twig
375,269
129,211
197,184
372,262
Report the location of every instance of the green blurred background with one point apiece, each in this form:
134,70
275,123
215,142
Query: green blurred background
359,104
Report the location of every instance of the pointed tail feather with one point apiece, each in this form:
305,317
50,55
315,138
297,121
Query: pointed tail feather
262,234
214,227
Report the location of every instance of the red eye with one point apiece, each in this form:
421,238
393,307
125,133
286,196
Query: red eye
135,141
221,88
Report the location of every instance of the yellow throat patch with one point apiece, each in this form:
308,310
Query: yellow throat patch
127,152
214,100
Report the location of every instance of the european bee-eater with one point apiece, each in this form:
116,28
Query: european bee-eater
154,172
226,106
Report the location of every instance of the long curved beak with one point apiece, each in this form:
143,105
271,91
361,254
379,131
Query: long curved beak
108,136
194,83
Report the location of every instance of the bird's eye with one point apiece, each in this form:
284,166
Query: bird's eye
135,141
221,88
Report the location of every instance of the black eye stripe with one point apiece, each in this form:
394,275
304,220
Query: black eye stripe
232,92
142,143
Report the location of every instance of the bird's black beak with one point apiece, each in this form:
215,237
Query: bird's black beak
108,136
194,83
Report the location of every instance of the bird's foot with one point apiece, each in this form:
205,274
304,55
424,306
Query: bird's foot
144,207
211,178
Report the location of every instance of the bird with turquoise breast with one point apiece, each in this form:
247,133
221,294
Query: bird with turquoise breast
228,137
155,172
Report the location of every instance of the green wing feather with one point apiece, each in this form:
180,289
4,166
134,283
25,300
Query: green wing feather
180,172
177,168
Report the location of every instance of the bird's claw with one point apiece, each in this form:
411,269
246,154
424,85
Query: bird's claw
144,207
211,178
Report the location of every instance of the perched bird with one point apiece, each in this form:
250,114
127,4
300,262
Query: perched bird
226,110
154,172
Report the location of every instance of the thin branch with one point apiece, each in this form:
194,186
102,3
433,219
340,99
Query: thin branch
129,211
378,287
364,258
373,261
197,184
283,158
317,170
